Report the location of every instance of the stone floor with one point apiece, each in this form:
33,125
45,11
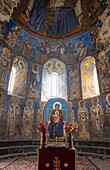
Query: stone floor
5,162
102,164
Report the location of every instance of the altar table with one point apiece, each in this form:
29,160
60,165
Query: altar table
56,158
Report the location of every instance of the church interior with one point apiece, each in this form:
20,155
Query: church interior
55,74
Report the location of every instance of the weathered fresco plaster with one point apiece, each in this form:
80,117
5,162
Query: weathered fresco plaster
34,49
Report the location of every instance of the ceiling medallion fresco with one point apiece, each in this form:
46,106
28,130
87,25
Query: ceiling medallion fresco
57,18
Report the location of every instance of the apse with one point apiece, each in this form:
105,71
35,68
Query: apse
55,72
55,50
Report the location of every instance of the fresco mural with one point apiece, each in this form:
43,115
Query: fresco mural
104,71
1,104
74,82
83,120
38,37
6,8
54,23
13,119
5,55
18,77
52,17
25,44
83,45
64,106
16,114
97,116
88,115
39,118
27,47
89,78
101,30
108,107
54,80
34,81
28,118
39,50
13,36
96,9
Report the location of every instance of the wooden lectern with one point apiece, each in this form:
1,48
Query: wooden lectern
56,158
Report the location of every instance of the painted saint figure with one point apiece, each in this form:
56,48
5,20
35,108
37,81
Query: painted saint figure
108,107
28,117
83,120
27,47
20,79
35,79
13,120
56,25
56,123
104,73
74,83
97,116
1,104
4,66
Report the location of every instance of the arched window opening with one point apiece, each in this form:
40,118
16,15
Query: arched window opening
54,84
18,77
96,81
11,80
89,79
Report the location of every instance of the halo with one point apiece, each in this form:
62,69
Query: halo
20,62
35,65
101,53
92,60
16,27
57,103
92,100
58,65
70,104
15,60
2,96
104,67
99,56
14,100
87,63
29,101
7,52
5,63
107,97
30,40
49,65
80,102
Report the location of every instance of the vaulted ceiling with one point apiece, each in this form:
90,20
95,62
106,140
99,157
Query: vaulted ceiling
56,18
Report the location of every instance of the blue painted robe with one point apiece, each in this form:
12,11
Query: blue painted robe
65,19
57,126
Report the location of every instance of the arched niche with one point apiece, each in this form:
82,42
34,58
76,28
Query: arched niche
18,77
89,78
54,80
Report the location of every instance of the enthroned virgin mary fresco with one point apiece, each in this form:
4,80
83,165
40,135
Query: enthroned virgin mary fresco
56,122
56,113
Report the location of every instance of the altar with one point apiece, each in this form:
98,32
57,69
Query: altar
56,158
